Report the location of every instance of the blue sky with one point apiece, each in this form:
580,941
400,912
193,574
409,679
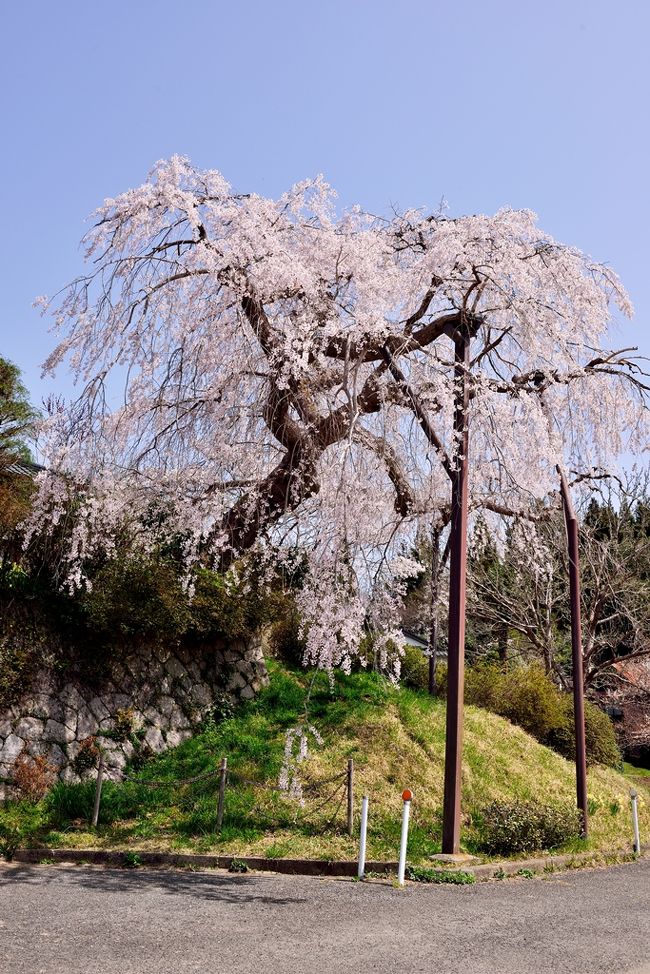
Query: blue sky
543,106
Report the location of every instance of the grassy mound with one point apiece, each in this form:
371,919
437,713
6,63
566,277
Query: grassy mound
396,738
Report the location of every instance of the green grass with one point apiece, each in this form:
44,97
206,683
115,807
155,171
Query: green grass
635,771
457,877
396,737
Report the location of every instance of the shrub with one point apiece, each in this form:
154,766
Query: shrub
10,840
415,668
67,802
523,694
507,828
223,607
415,671
238,866
130,600
223,707
33,776
136,597
599,734
27,642
18,824
87,756
286,641
142,753
526,696
123,724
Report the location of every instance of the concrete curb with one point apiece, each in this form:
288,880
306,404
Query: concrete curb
116,857
551,864
316,867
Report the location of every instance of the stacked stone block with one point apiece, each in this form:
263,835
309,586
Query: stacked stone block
163,695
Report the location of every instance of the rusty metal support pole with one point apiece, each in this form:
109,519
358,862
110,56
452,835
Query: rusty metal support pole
457,601
571,522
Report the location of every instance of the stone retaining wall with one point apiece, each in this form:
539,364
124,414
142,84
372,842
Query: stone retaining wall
150,700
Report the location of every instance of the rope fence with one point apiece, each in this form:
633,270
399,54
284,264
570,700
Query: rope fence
170,781
229,778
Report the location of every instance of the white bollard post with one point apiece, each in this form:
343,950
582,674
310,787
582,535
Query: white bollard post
362,837
401,868
635,821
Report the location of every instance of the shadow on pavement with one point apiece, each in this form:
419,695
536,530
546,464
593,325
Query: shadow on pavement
227,889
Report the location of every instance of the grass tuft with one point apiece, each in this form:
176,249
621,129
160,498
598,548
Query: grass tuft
421,874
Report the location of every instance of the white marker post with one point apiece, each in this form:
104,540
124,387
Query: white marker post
362,837
406,798
635,821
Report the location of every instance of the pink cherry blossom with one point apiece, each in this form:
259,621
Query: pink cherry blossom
286,381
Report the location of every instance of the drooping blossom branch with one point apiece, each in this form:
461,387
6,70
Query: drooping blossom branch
287,379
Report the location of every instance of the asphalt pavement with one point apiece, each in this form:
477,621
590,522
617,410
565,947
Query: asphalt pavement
86,920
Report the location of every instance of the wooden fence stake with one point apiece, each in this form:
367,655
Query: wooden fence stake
98,791
350,796
223,769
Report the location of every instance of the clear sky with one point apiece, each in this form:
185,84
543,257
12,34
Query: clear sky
485,102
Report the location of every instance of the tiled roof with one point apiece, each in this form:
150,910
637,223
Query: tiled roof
23,468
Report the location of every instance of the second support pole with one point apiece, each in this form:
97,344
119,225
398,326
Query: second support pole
573,547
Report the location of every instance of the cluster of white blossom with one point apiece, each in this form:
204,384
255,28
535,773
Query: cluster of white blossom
276,360
296,750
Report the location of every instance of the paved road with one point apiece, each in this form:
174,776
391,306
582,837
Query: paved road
84,920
